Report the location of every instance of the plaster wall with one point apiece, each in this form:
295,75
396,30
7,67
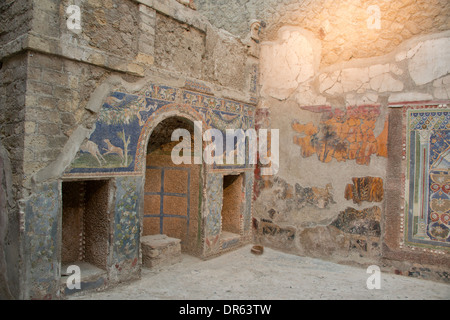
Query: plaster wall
326,81
328,199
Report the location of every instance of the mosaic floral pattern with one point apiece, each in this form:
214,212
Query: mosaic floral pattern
248,201
127,228
215,188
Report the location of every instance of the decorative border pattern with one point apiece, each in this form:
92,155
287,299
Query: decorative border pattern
117,145
426,144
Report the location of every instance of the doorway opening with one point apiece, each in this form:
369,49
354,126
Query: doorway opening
172,192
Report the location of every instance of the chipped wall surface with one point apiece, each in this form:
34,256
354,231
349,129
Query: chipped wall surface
12,104
342,26
174,42
80,105
343,136
9,229
331,98
401,75
16,22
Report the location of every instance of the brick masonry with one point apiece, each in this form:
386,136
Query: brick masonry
330,89
54,85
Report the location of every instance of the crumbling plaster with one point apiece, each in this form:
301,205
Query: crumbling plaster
312,82
308,99
405,72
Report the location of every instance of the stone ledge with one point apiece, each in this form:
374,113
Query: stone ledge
55,46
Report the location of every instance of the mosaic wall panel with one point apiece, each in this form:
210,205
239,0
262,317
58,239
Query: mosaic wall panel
214,185
41,230
117,146
249,181
127,223
427,185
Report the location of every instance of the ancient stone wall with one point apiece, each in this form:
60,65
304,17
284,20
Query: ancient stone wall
16,22
9,231
13,87
58,91
108,45
328,198
56,81
174,42
330,78
12,104
340,25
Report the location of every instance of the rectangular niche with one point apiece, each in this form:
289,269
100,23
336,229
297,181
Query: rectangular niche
233,197
85,224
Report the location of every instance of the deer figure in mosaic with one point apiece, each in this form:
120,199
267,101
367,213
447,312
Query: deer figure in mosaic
92,148
112,149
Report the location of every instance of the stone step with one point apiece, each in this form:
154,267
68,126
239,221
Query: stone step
160,250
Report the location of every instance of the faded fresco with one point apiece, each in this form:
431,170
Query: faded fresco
368,189
343,136
428,176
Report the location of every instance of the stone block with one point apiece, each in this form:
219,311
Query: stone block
48,62
147,19
40,88
147,10
160,250
145,59
147,28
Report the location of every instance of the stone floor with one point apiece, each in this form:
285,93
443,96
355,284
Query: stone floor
240,275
